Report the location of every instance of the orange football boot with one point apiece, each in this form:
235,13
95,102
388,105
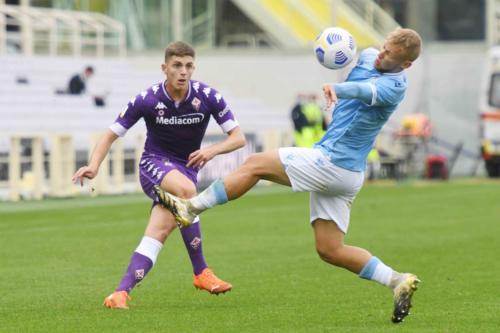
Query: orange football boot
117,300
208,281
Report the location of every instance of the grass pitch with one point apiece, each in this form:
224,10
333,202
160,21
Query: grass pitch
60,258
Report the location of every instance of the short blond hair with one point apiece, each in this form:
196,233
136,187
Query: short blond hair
409,40
180,49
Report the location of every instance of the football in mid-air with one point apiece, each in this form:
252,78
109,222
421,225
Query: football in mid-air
334,48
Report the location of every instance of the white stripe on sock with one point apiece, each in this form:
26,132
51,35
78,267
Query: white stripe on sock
382,274
150,248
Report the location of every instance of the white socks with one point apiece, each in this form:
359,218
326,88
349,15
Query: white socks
150,248
213,195
377,271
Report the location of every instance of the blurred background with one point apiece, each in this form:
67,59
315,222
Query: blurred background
258,54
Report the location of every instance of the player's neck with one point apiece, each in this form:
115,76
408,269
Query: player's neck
177,95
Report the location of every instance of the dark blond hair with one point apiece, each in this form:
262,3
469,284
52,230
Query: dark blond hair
179,49
409,40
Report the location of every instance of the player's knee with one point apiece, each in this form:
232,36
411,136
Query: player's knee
329,253
322,252
167,229
161,231
254,164
186,192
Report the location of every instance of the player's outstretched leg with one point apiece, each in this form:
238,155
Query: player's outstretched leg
403,285
186,210
180,208
403,293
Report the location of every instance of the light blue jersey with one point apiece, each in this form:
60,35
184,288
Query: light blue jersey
366,100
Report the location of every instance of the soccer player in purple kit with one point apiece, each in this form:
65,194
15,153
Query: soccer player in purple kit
176,113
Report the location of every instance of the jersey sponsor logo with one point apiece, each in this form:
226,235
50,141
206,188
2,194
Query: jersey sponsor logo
218,96
187,119
223,112
196,103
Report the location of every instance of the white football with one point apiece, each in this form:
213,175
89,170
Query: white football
334,48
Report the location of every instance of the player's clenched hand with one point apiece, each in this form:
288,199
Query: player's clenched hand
199,158
84,172
330,95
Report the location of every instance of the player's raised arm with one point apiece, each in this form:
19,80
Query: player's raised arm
98,154
235,140
363,91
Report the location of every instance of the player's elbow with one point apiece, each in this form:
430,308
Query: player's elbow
242,141
239,140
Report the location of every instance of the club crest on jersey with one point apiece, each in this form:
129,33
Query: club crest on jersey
196,103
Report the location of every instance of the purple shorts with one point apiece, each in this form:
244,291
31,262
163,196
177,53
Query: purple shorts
153,168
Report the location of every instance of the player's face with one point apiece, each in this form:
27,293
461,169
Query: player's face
391,59
178,71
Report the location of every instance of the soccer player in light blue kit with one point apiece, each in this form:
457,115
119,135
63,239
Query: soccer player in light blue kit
332,171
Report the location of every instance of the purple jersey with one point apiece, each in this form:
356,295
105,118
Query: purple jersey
175,130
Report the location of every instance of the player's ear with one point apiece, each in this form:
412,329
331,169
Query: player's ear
164,68
406,64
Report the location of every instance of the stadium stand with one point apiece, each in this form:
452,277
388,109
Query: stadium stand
35,107
293,24
30,105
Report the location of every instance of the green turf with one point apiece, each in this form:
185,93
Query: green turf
60,258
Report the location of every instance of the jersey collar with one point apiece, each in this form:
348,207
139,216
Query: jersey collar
188,95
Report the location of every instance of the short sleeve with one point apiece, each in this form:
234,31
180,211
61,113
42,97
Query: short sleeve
388,91
130,116
222,113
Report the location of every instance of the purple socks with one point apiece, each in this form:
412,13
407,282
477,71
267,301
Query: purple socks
192,239
137,269
145,255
